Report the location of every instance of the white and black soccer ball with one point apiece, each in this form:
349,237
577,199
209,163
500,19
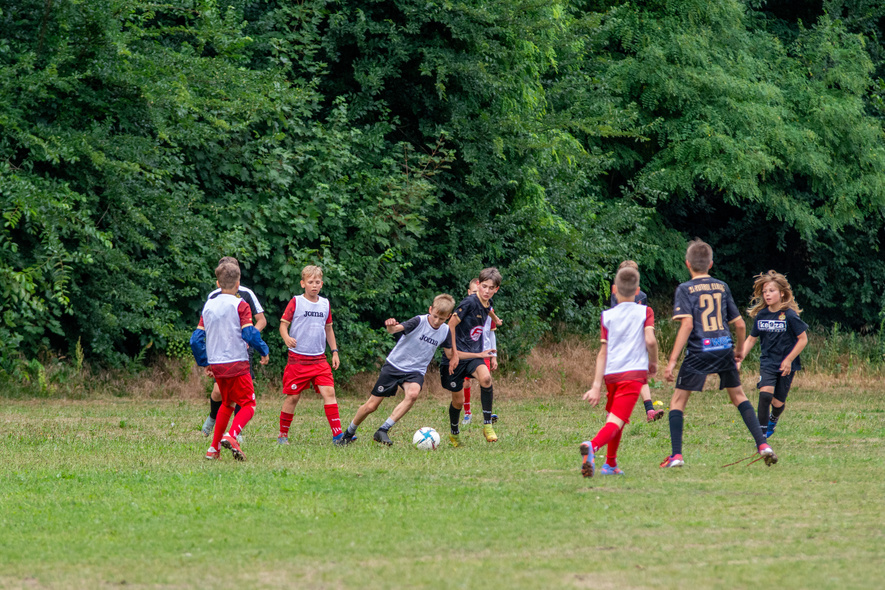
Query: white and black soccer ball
426,439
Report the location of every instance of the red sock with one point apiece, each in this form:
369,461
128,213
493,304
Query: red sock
611,451
467,400
241,419
221,421
332,417
285,423
606,434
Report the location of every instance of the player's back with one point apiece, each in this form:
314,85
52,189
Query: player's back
223,318
709,303
623,330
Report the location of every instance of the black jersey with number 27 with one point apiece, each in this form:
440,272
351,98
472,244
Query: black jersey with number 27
709,303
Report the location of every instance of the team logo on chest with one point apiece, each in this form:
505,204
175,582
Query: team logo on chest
314,314
476,333
428,340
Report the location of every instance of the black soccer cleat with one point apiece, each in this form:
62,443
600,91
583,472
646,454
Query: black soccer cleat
381,437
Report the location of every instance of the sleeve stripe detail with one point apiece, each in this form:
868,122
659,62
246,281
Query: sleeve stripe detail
285,322
682,315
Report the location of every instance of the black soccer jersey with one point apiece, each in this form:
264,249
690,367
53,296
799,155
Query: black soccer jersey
709,303
246,295
778,332
468,333
641,299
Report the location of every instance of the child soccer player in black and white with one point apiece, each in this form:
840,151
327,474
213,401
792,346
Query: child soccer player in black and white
783,337
221,343
627,357
489,341
651,414
467,326
260,322
406,365
705,309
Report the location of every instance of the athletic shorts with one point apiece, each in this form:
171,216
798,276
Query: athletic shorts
236,390
488,364
464,370
695,368
622,397
391,378
298,377
781,384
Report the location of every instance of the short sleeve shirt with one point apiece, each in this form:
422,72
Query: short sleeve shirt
246,295
468,333
709,303
417,344
778,332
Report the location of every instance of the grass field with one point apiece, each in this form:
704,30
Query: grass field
115,493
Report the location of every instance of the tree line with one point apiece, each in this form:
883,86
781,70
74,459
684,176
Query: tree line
403,145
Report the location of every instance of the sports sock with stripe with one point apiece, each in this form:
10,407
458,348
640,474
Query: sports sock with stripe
677,419
486,396
764,407
455,419
334,419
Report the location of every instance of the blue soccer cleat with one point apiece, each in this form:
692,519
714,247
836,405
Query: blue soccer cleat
607,469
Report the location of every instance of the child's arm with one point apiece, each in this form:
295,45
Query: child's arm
749,343
685,328
453,358
198,347
498,321
260,321
787,365
253,338
493,340
651,344
490,353
392,326
330,338
284,332
594,394
740,333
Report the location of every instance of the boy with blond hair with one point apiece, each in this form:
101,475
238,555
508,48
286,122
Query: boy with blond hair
419,337
221,343
306,327
651,414
705,309
627,357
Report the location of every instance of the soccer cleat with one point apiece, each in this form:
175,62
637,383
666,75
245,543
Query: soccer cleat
240,438
212,454
494,418
588,460
282,440
230,443
467,419
607,469
349,438
673,461
208,426
489,433
339,440
769,430
767,454
380,436
455,439
653,415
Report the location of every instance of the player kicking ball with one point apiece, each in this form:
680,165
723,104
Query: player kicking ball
418,339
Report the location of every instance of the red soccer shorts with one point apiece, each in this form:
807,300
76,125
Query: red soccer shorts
236,390
622,397
298,377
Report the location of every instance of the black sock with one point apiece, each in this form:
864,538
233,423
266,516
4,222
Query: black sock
776,412
648,405
764,407
213,408
676,425
237,408
455,419
752,421
486,395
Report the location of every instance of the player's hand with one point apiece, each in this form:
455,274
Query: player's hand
264,360
786,367
389,323
499,321
290,342
592,395
668,371
208,372
494,363
738,355
487,354
336,362
453,363
652,369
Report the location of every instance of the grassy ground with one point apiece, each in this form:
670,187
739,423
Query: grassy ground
115,492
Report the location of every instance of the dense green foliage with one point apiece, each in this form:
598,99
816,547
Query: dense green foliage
405,145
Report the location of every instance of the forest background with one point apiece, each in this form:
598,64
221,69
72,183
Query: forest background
404,145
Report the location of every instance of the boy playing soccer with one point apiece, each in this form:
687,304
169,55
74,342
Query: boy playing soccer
306,326
220,342
406,364
260,322
489,341
705,308
628,355
651,414
467,326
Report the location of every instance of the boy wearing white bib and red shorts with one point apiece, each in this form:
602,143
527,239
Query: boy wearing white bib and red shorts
306,327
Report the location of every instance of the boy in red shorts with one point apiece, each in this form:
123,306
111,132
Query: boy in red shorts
628,355
220,342
306,326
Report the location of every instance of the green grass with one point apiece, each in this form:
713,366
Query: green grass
116,493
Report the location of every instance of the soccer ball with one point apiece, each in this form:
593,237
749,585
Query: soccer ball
426,439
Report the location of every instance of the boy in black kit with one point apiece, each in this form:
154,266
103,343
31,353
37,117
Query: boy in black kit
705,308
467,325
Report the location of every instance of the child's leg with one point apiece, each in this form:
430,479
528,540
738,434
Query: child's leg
467,398
766,396
330,406
292,388
747,413
484,376
224,413
677,420
611,451
364,410
455,411
242,418
651,414
779,403
412,391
